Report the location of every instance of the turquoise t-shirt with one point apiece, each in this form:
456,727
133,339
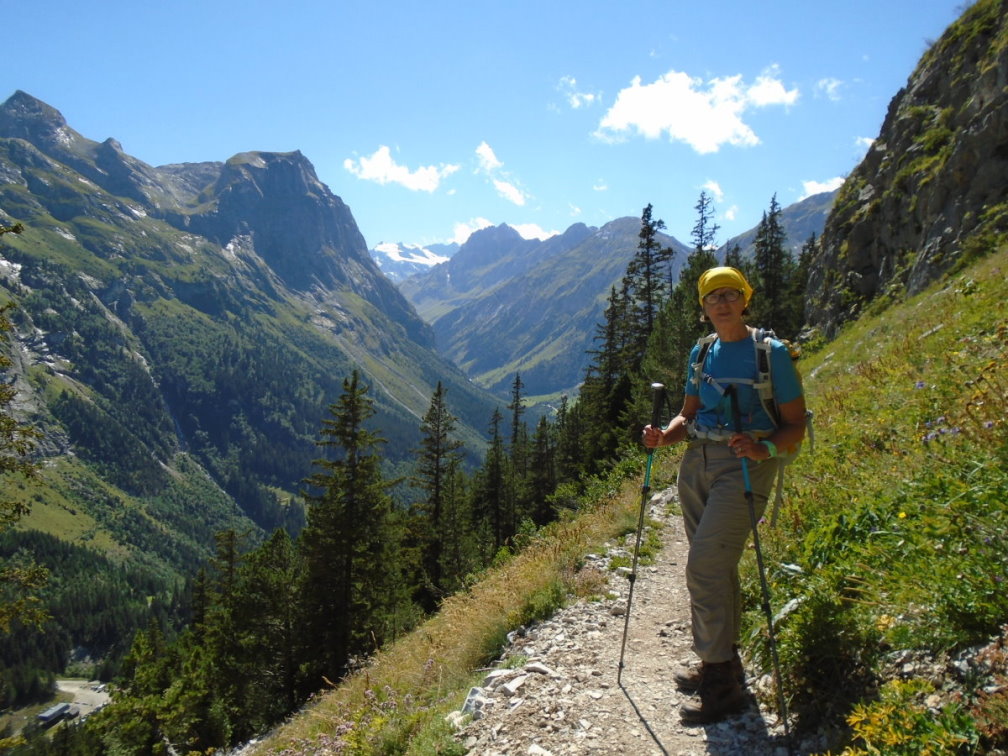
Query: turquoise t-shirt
737,359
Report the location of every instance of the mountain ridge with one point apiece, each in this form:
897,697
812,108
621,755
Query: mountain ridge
537,315
201,308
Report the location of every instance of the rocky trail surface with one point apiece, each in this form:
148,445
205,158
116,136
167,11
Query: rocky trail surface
556,691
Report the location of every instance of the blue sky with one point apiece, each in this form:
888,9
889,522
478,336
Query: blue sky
431,119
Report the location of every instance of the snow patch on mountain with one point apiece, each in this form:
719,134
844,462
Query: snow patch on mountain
399,261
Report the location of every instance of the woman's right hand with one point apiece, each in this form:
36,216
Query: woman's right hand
652,437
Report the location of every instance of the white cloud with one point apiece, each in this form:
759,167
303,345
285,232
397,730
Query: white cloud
714,190
381,168
575,211
817,187
462,231
488,161
731,213
510,192
577,100
533,231
492,167
600,186
768,90
703,115
829,88
864,143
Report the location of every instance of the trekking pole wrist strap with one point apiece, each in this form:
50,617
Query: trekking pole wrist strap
771,447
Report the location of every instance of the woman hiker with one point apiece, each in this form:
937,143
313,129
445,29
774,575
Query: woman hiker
712,487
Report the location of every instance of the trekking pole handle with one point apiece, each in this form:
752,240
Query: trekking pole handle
657,399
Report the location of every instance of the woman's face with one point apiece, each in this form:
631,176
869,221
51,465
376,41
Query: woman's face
719,309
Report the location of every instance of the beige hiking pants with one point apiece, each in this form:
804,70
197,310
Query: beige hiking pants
716,514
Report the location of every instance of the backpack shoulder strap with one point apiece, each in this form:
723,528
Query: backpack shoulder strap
764,374
764,390
704,342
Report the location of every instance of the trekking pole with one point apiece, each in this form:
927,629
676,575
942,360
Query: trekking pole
657,397
781,703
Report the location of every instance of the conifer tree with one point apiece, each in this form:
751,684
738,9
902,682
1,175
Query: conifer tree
215,675
458,557
518,458
194,714
773,268
794,318
647,283
348,580
437,459
517,408
679,325
606,389
199,601
269,632
568,430
542,472
148,667
733,258
490,495
705,229
132,722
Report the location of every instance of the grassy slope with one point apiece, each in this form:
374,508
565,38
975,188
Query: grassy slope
894,526
887,530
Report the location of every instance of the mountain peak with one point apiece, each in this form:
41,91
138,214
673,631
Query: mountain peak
502,233
27,106
25,117
282,170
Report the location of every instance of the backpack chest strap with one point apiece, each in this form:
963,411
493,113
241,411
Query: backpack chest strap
718,383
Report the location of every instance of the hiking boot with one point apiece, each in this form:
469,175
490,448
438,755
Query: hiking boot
719,696
688,680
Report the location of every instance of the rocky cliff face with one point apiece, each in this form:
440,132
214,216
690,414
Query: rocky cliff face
302,231
932,189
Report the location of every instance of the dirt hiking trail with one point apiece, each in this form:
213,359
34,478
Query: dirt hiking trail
564,697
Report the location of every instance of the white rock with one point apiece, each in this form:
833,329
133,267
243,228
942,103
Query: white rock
512,686
542,669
